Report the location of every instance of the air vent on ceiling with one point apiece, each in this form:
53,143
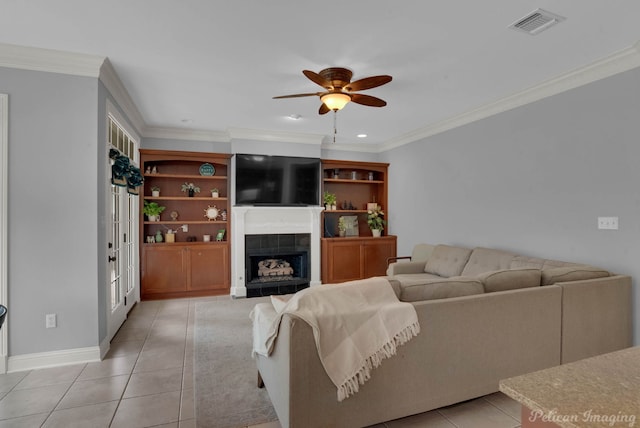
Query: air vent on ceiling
537,21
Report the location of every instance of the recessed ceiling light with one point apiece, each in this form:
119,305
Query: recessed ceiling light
294,117
362,135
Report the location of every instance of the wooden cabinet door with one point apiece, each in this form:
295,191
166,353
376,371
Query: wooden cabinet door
209,267
342,261
376,253
164,269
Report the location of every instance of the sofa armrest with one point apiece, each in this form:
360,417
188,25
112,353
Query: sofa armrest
405,267
596,317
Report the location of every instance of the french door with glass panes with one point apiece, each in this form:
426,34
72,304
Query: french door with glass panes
122,258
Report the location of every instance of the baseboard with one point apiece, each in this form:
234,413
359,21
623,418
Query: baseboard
52,359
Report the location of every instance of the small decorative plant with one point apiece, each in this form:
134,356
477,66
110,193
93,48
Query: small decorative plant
155,191
215,192
152,210
190,187
329,199
342,226
375,219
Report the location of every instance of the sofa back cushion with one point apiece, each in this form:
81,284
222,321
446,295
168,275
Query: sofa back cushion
487,260
441,288
510,279
572,273
519,262
447,261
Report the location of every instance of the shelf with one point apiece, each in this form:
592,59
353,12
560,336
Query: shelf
184,243
346,180
187,176
184,198
345,211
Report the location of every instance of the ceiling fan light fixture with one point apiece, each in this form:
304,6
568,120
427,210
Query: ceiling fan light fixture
335,101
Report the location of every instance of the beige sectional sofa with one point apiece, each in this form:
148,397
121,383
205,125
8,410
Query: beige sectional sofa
485,315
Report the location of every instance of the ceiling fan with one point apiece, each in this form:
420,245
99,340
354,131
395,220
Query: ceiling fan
340,90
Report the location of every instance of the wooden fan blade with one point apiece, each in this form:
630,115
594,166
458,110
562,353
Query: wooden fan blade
316,78
323,109
299,95
368,83
367,100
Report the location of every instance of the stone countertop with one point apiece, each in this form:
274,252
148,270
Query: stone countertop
602,391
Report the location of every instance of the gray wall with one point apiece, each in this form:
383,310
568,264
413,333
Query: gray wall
52,210
532,180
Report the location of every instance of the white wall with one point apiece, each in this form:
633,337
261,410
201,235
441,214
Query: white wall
532,180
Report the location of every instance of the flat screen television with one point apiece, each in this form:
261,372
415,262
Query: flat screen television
277,180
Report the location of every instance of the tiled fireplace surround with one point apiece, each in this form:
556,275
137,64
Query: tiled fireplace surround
271,220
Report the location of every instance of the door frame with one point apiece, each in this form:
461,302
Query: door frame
4,206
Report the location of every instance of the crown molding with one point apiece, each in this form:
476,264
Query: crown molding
186,134
49,60
618,62
366,148
114,85
275,136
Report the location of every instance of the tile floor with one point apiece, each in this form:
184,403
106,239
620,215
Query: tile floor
146,380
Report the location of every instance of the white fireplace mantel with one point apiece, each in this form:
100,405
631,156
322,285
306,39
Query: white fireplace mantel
271,220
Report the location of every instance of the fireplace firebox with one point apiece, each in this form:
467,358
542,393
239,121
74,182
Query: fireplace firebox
277,263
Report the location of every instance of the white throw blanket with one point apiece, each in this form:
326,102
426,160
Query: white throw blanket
355,324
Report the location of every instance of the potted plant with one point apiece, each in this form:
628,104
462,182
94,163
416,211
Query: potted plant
215,193
191,189
342,227
329,200
152,210
155,191
376,221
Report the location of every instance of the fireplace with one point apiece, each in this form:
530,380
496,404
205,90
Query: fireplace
277,263
248,222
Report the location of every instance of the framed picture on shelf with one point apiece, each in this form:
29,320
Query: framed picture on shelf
351,224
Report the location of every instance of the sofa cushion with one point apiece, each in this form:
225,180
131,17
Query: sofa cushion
447,261
406,279
441,288
538,263
572,273
523,262
486,260
509,279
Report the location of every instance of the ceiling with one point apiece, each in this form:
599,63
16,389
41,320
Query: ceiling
215,65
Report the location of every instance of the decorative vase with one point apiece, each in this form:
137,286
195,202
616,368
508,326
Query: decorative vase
159,236
191,193
333,207
342,233
376,233
170,237
155,193
152,217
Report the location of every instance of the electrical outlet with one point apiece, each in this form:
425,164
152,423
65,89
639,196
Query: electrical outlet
610,223
50,320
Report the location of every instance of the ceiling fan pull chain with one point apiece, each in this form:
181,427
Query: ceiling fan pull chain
335,129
